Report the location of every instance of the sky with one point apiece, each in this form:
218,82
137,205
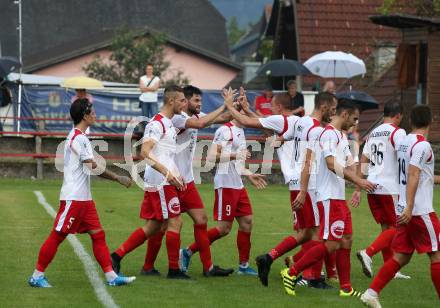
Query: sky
246,11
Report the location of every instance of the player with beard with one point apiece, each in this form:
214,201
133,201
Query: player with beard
188,123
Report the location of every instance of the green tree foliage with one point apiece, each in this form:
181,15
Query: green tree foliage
429,8
234,31
130,54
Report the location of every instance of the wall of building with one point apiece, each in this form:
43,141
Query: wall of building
201,71
433,88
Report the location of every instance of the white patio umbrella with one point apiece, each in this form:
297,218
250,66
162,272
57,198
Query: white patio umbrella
335,64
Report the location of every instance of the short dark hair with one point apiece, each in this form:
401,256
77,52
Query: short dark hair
149,64
391,109
79,108
421,116
323,98
284,100
346,105
170,93
189,91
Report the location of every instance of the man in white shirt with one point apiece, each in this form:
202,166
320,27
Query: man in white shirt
187,123
77,213
149,84
418,228
379,160
160,207
334,166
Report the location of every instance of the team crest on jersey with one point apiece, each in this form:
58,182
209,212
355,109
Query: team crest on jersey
337,229
174,205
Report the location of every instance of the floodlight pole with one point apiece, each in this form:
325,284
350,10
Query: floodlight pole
20,56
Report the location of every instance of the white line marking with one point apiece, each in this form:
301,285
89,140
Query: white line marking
95,280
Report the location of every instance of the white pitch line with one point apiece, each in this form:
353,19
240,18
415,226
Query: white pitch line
95,280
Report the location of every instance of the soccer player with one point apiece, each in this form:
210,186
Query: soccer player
188,122
302,186
335,163
379,155
418,227
231,198
160,207
77,212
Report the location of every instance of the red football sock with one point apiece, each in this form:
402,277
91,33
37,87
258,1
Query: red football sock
202,240
286,245
387,253
330,265
315,270
383,241
435,276
49,249
307,273
343,266
136,239
101,252
300,253
385,274
213,235
311,257
173,246
244,246
153,247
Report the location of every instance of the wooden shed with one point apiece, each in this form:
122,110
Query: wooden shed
418,63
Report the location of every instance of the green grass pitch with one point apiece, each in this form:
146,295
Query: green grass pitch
25,225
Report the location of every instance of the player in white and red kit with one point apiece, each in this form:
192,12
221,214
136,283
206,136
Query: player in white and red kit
187,123
334,165
77,212
231,198
418,228
284,122
160,206
380,156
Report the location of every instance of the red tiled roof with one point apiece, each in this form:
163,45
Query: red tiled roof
340,25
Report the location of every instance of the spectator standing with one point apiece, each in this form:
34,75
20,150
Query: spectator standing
297,99
149,84
330,87
80,94
263,103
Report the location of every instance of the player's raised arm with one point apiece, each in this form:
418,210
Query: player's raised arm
243,119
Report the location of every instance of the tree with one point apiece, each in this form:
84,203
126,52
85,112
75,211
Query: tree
129,55
234,31
427,8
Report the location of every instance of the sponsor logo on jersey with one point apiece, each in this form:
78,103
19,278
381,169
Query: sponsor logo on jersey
337,228
174,205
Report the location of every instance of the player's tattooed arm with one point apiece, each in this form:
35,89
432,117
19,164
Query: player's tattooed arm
348,174
146,153
107,174
243,119
205,120
243,101
217,155
411,188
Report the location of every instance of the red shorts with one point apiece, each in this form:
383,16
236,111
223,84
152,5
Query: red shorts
307,216
421,233
335,219
189,198
383,209
77,217
160,204
230,203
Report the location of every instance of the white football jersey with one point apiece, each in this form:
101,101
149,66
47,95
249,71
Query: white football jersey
380,148
332,143
280,124
186,145
306,131
232,140
415,150
161,130
76,177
